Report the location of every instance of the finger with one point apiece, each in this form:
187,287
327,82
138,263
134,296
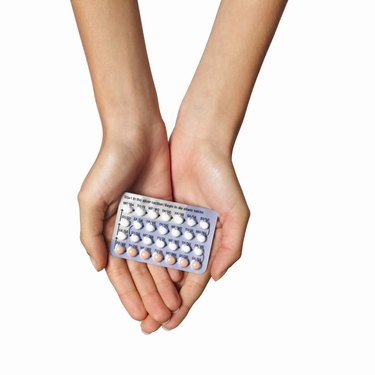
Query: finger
149,325
175,275
91,218
119,275
190,291
147,290
230,247
165,287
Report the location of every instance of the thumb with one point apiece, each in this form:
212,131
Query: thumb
230,246
91,218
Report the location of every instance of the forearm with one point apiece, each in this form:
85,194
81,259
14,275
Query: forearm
112,37
216,101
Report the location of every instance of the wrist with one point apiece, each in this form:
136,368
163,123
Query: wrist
203,123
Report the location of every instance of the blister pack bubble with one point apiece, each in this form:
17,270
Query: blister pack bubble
163,233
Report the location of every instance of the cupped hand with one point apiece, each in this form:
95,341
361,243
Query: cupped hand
135,160
203,175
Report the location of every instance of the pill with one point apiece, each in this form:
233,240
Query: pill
163,229
165,216
185,248
150,227
201,238
172,246
140,211
119,249
196,265
178,219
134,238
175,232
160,243
137,224
191,222
188,235
203,224
127,208
145,254
124,222
132,251
183,262
152,214
121,236
170,259
147,240
157,257
197,251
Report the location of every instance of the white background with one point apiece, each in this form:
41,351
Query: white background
301,299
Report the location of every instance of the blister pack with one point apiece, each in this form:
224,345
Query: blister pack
163,233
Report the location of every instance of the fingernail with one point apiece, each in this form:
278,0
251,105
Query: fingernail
177,310
93,261
165,328
221,275
145,333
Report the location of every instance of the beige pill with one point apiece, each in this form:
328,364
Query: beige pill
145,254
132,251
119,249
170,259
183,262
196,265
157,257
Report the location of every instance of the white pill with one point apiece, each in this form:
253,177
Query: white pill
163,229
185,248
188,235
152,214
128,208
150,227
140,211
134,238
197,251
175,232
160,243
191,222
172,246
165,216
178,219
124,222
203,224
137,224
147,240
201,238
121,236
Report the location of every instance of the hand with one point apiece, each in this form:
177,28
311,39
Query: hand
203,175
136,160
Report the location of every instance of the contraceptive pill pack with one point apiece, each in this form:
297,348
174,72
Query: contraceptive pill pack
163,233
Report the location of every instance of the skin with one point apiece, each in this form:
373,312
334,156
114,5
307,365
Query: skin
195,167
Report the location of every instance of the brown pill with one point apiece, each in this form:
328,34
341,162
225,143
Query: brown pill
196,265
157,257
145,254
183,262
119,249
132,251
170,259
